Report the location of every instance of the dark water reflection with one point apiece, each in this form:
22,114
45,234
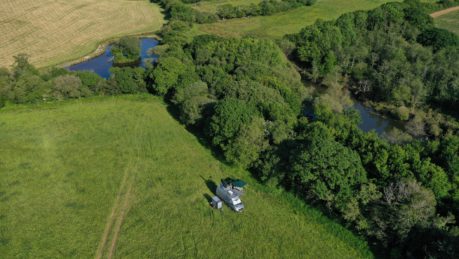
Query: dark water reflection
370,120
101,64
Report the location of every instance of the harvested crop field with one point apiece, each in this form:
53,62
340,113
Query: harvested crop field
55,31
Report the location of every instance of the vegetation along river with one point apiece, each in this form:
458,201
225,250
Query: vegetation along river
101,64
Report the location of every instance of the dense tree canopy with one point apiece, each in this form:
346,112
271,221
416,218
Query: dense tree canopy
391,54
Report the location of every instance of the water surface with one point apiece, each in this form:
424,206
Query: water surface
101,64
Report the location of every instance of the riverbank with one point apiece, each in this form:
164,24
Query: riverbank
101,48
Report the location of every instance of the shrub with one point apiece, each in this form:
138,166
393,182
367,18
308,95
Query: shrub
68,86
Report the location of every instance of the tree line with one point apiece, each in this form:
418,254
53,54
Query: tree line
264,8
23,83
180,10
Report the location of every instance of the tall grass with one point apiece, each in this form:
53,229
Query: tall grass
63,165
449,22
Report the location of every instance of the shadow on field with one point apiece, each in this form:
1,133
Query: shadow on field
198,132
211,185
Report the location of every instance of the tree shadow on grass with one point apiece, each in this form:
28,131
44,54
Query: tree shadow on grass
198,132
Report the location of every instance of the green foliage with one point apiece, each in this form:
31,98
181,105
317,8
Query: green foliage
21,66
128,80
193,101
67,87
404,205
169,74
379,54
176,10
438,38
90,80
264,8
228,118
126,50
325,170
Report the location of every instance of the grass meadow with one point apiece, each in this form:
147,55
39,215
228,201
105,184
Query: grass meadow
449,21
277,25
211,6
53,32
120,177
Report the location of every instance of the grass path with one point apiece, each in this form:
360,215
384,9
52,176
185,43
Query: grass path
444,11
119,177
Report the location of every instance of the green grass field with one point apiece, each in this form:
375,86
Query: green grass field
119,177
275,26
211,6
56,31
449,21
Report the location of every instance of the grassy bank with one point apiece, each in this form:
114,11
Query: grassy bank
449,21
119,176
53,32
277,25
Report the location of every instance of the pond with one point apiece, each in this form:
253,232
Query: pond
373,121
101,64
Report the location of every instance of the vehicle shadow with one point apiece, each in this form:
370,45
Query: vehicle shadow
211,185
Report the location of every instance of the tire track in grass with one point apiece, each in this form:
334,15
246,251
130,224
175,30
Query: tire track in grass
112,216
123,201
120,219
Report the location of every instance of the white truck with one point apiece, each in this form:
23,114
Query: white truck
230,195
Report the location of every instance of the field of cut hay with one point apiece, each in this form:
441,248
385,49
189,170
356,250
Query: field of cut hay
55,31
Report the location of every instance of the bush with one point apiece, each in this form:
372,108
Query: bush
128,80
68,86
402,113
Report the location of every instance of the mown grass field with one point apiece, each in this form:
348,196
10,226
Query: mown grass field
54,31
120,177
449,21
277,25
